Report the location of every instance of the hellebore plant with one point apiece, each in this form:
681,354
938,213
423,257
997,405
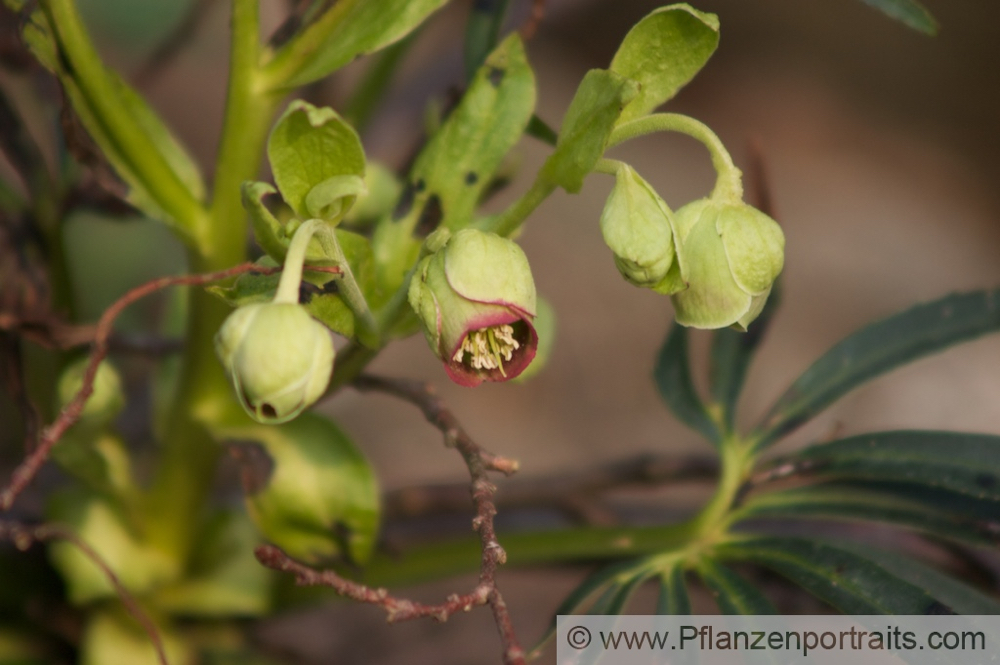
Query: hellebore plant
370,255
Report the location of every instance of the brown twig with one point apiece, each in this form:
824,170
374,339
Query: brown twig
530,26
28,468
24,536
559,492
479,462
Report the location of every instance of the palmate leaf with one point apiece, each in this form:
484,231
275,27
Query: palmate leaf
672,374
846,502
908,12
849,582
878,348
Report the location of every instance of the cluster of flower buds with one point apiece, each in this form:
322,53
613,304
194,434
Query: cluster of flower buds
717,258
476,299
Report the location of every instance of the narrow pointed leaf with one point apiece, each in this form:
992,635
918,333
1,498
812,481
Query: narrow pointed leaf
732,353
847,581
878,348
908,12
672,374
664,51
841,502
673,597
955,594
967,464
733,593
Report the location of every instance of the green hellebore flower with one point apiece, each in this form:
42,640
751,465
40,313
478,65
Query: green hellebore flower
278,357
637,226
729,256
476,299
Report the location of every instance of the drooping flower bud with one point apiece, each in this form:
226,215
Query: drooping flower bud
278,357
636,225
729,255
476,298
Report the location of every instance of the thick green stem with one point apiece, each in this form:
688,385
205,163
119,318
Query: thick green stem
728,184
204,397
510,220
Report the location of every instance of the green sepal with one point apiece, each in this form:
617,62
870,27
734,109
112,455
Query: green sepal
307,148
596,107
636,226
546,326
223,578
663,52
321,499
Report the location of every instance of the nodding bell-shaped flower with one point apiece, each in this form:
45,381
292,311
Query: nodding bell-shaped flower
278,357
476,299
729,256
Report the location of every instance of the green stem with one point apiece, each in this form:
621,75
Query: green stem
510,220
728,184
203,399
100,92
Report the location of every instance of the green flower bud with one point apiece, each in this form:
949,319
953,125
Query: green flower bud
729,256
278,357
106,400
637,226
476,299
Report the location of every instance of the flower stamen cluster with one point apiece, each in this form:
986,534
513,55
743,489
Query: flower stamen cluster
488,348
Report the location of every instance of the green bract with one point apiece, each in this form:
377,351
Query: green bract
278,357
729,256
476,298
638,228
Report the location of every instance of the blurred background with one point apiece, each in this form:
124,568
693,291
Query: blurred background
881,152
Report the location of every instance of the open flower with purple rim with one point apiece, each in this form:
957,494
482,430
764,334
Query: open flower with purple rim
476,299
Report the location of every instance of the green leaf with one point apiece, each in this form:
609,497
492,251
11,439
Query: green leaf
585,130
672,374
843,502
850,583
968,464
267,229
163,180
320,499
347,30
459,161
112,637
673,597
732,353
664,51
309,146
461,158
99,523
732,593
223,578
908,12
955,594
878,348
482,30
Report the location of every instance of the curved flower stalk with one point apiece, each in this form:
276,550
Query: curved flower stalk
476,299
